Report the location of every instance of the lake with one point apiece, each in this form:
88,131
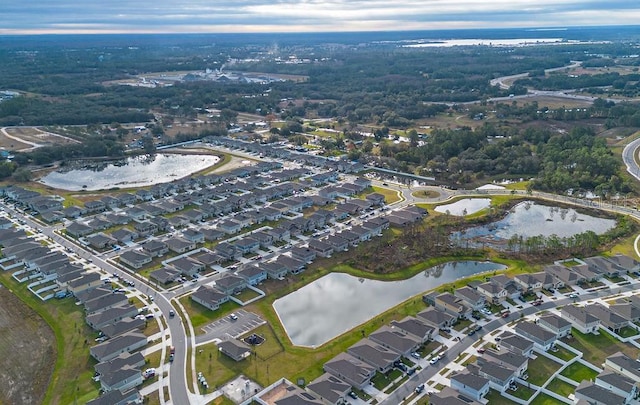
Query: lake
338,302
136,171
466,206
529,219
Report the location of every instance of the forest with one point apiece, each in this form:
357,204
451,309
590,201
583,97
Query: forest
381,87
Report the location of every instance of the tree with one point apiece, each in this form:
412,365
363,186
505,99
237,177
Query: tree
148,145
22,175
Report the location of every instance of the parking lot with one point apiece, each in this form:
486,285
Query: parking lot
226,327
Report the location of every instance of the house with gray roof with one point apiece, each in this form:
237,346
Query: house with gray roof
180,245
274,270
619,384
564,274
101,319
86,281
209,297
580,318
449,396
105,302
436,318
321,248
416,327
594,394
305,255
452,305
375,354
504,358
622,364
134,258
95,293
627,311
123,326
559,326
628,263
499,377
516,344
187,266
123,379
235,349
193,235
294,266
124,360
608,318
112,348
78,229
350,369
330,389
396,339
124,235
253,274
470,298
117,397
230,284
470,385
337,243
100,240
542,338
164,275
604,266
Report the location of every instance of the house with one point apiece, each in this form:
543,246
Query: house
211,234
494,292
294,266
112,348
530,282
449,396
145,228
564,275
254,275
470,298
448,303
516,344
396,339
375,198
321,248
509,360
593,394
117,397
73,212
436,318
209,297
100,240
230,284
89,295
180,245
415,327
375,354
187,266
553,323
303,254
84,282
95,206
470,385
155,248
627,311
622,364
247,245
123,326
124,235
280,234
228,251
500,377
105,302
618,384
629,264
350,369
337,243
164,275
235,349
135,259
330,389
229,226
123,360
274,270
608,318
78,229
580,318
193,235
542,337
125,378
351,238
604,266
101,319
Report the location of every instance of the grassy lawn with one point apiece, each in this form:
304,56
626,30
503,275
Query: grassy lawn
495,398
462,324
540,369
578,372
381,381
247,295
390,196
627,331
544,399
522,392
598,347
560,387
201,316
71,378
563,354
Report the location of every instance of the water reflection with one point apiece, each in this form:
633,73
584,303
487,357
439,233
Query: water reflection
337,302
529,219
137,171
464,207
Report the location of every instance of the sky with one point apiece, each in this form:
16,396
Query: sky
237,16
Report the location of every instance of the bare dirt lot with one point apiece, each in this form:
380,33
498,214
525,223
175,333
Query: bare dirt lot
24,138
27,352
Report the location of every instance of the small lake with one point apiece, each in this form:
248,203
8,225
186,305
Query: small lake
464,207
338,302
529,219
136,171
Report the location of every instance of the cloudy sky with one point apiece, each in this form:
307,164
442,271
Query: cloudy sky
200,16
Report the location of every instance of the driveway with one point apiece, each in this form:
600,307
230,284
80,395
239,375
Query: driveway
225,327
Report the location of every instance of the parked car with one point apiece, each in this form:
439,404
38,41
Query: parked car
419,388
233,317
172,313
416,355
434,360
353,395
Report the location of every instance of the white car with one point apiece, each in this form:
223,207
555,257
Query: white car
434,360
